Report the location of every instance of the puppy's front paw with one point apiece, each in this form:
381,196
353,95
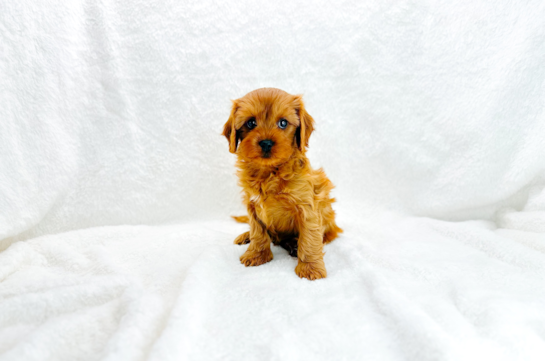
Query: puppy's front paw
311,270
252,258
244,238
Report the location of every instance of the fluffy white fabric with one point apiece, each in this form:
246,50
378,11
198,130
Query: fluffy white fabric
116,187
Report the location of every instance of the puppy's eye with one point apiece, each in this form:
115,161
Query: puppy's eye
282,123
251,124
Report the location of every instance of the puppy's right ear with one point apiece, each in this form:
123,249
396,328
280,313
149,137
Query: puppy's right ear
229,130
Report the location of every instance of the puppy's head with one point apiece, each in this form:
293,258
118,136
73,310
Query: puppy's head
267,126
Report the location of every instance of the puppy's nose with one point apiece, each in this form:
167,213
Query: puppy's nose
266,145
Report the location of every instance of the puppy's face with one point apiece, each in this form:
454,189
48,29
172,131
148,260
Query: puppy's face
267,126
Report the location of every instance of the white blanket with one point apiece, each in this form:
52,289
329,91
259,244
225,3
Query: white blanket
116,187
397,288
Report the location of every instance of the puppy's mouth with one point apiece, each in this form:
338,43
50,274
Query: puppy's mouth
266,154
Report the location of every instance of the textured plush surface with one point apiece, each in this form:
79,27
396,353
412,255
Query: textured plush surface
430,121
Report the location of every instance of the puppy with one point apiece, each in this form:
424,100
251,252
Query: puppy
268,130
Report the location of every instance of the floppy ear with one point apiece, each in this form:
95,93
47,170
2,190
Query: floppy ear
306,126
229,130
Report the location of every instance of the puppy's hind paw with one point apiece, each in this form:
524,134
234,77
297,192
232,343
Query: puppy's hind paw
244,238
311,270
252,258
290,245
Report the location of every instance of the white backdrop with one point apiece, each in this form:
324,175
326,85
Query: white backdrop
111,113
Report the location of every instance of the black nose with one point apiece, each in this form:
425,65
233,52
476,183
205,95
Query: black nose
266,145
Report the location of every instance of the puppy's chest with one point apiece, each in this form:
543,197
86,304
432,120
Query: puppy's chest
274,208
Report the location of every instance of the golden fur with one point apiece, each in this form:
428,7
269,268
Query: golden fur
284,196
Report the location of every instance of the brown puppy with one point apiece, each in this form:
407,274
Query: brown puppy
286,199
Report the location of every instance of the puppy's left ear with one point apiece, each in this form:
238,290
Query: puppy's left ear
229,130
306,126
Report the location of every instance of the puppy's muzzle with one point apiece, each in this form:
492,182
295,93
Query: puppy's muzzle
266,145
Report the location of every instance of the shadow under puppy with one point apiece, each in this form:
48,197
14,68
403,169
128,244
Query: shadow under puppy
287,200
